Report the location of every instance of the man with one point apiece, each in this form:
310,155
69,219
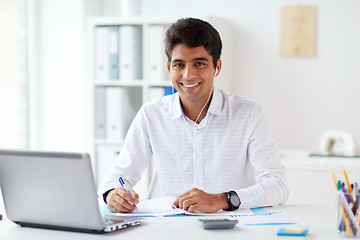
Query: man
212,150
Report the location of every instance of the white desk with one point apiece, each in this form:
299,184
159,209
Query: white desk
320,220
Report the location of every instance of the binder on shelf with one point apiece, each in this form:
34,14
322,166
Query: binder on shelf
157,56
113,116
101,59
131,101
107,52
158,92
169,90
122,104
130,52
100,113
113,50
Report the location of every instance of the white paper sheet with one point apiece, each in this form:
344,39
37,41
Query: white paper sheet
163,207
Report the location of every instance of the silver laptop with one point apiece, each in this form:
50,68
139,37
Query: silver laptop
54,190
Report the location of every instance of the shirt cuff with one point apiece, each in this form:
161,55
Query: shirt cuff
106,193
245,198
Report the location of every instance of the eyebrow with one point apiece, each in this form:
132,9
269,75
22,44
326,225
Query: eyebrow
193,60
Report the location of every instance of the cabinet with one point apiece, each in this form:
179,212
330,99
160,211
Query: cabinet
127,69
310,178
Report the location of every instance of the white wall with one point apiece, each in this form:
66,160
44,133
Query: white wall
59,90
13,112
303,96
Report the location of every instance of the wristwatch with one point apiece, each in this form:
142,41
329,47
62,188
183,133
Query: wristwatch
233,200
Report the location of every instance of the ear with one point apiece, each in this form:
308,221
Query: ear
218,67
168,67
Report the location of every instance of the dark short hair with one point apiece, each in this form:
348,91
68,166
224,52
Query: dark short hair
193,32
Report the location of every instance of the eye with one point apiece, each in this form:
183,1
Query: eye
200,64
177,65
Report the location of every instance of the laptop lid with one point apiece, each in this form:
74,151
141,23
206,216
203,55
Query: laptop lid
51,190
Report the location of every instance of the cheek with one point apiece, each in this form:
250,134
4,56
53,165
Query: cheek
208,76
174,76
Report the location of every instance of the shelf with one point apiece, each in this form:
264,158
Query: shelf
108,142
106,21
119,83
159,84
133,83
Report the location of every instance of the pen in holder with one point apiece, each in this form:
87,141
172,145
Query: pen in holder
348,218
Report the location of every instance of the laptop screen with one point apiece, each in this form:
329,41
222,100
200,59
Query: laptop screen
49,188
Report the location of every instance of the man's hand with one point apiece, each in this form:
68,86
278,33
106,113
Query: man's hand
118,200
198,200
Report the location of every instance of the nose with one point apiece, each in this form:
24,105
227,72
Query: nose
189,72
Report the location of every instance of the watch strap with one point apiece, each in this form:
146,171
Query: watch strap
232,207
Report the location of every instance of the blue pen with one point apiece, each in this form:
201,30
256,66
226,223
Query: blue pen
343,187
122,183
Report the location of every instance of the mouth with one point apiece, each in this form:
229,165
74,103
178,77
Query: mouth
190,85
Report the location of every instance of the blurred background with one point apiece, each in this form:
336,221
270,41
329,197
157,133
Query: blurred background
44,68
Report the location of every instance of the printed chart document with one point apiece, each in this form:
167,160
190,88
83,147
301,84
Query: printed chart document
270,216
162,207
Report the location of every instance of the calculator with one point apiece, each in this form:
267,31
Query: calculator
217,223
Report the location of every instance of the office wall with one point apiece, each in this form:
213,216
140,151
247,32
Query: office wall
303,96
58,101
13,120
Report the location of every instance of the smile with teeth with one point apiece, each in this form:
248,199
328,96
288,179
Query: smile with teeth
190,86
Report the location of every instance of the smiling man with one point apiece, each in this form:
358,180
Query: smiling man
192,72
213,150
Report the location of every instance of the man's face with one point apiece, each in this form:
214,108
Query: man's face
192,73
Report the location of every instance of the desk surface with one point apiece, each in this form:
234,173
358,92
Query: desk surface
320,220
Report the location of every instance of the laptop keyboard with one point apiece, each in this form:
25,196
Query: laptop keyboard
108,220
112,223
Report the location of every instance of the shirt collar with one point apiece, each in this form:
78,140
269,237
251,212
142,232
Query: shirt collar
177,109
215,107
217,102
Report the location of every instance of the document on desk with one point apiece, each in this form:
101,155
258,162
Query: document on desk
276,216
162,207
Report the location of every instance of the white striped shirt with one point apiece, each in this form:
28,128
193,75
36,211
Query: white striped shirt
231,149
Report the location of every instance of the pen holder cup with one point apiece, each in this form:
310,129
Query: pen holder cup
348,217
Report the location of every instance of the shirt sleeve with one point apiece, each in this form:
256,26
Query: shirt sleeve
134,156
270,188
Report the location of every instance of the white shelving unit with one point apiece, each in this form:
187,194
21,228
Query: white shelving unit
105,149
137,90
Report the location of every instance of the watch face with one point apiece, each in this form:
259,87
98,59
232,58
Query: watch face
235,201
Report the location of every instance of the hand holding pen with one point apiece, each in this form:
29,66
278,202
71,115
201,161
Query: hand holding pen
121,199
122,183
